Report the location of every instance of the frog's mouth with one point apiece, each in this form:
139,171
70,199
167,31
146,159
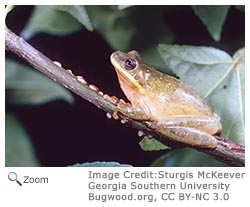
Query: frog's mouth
125,78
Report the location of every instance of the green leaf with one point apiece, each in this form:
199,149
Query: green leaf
18,148
78,12
151,144
213,17
113,25
192,63
121,7
186,158
49,20
217,77
100,164
24,85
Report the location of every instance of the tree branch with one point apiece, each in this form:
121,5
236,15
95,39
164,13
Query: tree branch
227,151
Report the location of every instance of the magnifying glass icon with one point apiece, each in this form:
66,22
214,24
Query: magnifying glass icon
13,177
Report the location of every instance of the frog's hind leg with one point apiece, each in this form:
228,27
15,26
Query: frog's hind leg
204,124
187,135
191,136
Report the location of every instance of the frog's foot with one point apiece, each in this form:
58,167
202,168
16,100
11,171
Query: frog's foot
186,135
121,106
115,115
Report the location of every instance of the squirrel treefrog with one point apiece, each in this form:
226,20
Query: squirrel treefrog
164,103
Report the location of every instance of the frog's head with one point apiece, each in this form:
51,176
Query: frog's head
129,69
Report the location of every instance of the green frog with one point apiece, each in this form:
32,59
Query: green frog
164,103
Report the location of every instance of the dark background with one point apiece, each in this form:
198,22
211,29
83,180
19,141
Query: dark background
64,134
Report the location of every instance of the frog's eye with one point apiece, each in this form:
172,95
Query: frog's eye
130,64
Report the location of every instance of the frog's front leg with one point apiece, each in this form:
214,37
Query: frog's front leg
194,131
137,113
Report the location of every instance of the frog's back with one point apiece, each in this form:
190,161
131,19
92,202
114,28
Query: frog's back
173,98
